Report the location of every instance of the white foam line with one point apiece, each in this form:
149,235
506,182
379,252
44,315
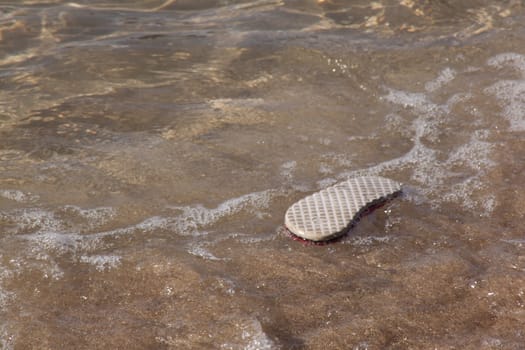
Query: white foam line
18,196
7,340
44,221
511,93
418,101
414,156
101,262
52,234
52,240
424,162
194,217
508,59
444,77
517,242
198,249
475,153
369,240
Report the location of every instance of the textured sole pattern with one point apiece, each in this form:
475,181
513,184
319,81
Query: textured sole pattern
330,212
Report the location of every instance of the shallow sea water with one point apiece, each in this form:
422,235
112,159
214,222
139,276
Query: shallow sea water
149,150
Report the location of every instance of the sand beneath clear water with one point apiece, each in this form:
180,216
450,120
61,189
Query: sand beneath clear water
149,151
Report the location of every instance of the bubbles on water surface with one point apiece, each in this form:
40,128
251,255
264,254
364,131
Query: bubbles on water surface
445,77
71,229
287,169
326,182
18,196
5,296
198,249
515,60
149,265
101,262
510,93
252,337
441,170
50,242
195,217
452,172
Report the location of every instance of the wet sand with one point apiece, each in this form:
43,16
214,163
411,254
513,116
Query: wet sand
149,151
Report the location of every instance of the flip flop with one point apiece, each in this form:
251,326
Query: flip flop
331,212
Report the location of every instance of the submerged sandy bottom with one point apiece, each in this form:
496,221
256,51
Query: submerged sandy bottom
147,159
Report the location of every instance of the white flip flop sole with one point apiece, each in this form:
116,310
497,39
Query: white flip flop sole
329,213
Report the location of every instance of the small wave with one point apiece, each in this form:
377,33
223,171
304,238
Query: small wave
71,229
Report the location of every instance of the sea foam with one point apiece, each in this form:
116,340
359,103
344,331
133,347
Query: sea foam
510,93
433,168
